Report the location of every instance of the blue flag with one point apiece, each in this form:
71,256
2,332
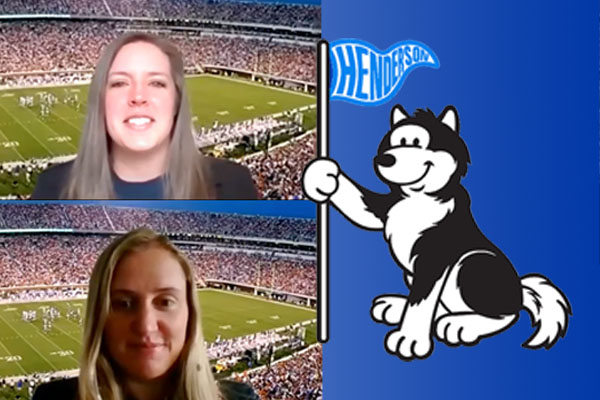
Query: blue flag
362,74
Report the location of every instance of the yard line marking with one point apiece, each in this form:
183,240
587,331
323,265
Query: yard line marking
13,148
65,332
40,333
224,326
56,133
28,131
251,321
272,103
29,344
64,118
222,112
250,107
62,353
10,354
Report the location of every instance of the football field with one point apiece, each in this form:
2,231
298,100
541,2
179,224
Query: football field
26,134
25,348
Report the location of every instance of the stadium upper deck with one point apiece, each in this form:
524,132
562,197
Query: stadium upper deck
118,219
296,15
75,45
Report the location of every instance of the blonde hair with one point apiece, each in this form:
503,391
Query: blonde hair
90,177
97,379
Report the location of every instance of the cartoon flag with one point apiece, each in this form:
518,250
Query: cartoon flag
361,74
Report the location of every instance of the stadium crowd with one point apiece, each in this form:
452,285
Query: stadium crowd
120,219
235,347
262,270
20,295
299,377
39,79
296,15
65,259
76,46
278,174
30,260
233,133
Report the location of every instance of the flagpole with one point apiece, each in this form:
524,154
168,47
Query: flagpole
322,210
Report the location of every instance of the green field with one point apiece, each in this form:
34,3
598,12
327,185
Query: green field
25,348
24,134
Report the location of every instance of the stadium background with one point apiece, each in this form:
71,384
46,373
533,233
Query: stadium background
259,274
250,68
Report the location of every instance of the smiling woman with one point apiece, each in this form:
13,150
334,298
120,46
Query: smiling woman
140,109
143,337
137,141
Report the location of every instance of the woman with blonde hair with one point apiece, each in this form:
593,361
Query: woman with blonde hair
143,337
137,140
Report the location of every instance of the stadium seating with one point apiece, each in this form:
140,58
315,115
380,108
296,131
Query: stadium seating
298,15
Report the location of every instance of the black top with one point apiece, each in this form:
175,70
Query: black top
232,181
66,389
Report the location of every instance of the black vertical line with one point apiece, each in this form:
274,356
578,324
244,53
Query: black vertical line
322,210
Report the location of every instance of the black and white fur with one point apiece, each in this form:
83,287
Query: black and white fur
462,287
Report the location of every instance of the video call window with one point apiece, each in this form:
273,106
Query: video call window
163,291
238,120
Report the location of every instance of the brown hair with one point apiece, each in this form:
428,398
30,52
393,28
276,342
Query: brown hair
90,177
194,379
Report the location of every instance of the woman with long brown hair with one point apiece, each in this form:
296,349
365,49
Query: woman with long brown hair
137,141
143,336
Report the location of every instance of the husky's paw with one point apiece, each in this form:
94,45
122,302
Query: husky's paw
459,329
320,179
469,329
408,344
388,309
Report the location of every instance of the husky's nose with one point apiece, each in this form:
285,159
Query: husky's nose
385,160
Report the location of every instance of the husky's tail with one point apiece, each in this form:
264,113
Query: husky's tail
549,310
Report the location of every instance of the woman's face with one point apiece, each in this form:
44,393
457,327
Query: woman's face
140,99
145,329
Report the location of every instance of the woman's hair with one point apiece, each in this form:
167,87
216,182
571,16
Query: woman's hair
90,177
193,379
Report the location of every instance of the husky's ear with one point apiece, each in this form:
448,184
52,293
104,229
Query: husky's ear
449,117
398,114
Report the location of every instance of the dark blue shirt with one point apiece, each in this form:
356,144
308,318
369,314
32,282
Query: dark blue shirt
231,181
149,190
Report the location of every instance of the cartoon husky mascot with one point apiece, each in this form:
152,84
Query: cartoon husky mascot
462,287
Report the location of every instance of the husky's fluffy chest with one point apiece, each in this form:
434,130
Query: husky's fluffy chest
408,219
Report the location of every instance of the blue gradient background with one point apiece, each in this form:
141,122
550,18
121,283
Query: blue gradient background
524,78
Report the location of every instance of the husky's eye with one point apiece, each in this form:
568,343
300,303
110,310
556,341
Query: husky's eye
411,136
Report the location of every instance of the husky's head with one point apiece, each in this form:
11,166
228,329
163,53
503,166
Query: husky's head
422,152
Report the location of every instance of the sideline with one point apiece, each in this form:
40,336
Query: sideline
261,299
251,83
